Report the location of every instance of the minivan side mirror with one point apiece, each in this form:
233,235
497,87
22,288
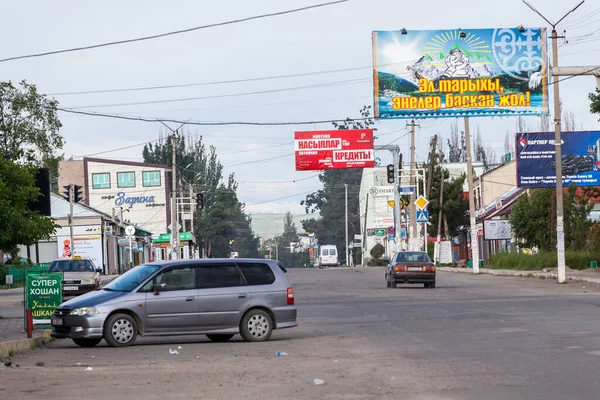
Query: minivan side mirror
158,287
99,270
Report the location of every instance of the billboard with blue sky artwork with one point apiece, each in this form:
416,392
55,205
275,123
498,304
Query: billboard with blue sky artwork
580,159
456,73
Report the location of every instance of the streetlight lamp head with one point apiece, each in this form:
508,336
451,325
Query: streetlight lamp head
521,28
403,31
462,34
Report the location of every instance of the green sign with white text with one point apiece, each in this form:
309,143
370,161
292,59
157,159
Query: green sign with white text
43,293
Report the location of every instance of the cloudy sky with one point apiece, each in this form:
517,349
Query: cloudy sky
314,43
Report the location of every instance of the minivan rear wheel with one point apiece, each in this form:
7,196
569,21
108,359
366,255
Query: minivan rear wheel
86,342
256,326
120,330
219,338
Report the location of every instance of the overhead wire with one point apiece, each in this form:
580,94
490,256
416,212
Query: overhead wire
171,33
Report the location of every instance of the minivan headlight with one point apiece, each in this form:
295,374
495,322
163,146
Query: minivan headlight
88,281
84,311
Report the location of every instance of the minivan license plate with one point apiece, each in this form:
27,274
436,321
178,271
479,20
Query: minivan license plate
70,288
57,321
415,269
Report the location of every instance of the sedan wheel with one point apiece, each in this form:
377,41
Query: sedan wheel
256,326
120,330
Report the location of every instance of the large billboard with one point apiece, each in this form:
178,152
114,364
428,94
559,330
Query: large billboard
460,73
319,150
580,159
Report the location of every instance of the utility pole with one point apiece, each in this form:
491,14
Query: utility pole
174,230
441,213
364,241
560,233
71,199
347,250
413,210
193,206
432,156
473,221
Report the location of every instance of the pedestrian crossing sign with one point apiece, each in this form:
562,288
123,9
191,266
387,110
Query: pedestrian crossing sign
422,216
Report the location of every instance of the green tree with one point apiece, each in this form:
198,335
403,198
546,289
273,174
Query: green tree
330,201
595,102
288,243
223,225
576,223
455,205
29,126
532,219
20,225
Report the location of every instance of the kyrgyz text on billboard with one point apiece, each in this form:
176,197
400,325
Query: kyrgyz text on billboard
333,149
580,159
438,73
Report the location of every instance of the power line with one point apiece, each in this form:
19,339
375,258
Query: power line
318,85
171,33
210,83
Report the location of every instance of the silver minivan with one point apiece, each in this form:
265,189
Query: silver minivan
214,297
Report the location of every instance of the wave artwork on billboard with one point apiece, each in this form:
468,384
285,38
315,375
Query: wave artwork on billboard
334,149
454,73
536,157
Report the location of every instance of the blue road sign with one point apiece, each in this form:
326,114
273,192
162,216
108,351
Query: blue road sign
403,233
422,216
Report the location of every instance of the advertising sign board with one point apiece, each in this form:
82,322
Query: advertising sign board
580,159
43,293
459,73
85,247
334,149
496,229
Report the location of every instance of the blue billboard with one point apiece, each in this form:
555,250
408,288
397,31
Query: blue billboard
536,159
460,73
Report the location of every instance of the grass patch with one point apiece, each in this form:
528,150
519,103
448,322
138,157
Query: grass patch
536,262
5,287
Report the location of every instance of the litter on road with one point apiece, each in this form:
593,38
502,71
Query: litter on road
281,353
171,351
318,382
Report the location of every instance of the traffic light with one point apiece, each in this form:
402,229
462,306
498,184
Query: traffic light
390,173
67,192
200,201
77,193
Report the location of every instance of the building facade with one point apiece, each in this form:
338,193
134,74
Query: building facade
132,191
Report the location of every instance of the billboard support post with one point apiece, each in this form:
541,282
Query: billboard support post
473,221
560,234
413,211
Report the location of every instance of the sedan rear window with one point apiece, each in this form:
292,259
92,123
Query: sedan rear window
407,256
257,273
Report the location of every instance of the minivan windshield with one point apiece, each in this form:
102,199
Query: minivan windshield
132,278
72,266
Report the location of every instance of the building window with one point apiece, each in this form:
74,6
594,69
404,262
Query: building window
151,178
125,179
381,205
101,181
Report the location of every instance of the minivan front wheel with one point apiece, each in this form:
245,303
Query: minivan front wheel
256,326
120,330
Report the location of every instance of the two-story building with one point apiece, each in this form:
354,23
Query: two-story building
133,191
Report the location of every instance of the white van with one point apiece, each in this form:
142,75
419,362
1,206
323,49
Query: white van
328,255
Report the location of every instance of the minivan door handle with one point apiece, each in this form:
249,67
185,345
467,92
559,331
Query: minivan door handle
189,299
242,296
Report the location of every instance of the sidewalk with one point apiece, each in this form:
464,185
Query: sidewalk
13,337
591,276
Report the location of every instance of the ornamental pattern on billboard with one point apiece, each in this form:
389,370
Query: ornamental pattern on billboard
536,155
438,73
334,149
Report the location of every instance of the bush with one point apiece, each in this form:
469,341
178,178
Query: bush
376,262
3,273
377,251
574,260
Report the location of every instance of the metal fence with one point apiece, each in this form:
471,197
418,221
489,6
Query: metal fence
20,272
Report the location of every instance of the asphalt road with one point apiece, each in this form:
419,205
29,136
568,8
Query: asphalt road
472,337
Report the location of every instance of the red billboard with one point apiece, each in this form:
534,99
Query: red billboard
335,149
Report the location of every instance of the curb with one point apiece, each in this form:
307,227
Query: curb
506,272
8,348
